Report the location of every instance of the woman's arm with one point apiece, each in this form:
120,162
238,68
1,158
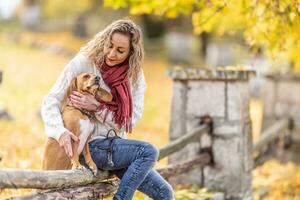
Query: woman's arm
138,99
88,102
50,109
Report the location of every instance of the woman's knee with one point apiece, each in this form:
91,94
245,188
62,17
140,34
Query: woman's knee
150,151
167,192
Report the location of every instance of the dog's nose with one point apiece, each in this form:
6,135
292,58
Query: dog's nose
97,79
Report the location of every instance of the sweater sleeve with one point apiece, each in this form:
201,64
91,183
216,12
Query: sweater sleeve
138,99
50,109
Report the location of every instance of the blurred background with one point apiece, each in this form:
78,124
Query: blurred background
39,37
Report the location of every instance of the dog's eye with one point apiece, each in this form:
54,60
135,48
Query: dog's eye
86,76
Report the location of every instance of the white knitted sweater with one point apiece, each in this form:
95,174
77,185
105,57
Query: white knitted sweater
50,110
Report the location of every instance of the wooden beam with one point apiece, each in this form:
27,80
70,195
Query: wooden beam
272,133
39,179
91,191
102,190
15,178
180,143
198,161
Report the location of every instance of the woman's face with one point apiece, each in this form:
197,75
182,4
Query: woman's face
117,50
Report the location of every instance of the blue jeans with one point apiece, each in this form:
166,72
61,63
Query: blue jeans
132,162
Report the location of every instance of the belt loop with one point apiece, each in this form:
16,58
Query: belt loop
110,148
114,131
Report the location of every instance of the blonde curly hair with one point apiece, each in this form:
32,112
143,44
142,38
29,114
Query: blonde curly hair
94,48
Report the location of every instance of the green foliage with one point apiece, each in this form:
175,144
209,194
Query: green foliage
273,24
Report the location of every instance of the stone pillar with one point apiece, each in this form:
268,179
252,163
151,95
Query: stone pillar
281,97
224,96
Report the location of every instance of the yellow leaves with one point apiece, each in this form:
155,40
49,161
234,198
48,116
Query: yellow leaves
193,193
260,9
267,23
115,4
205,20
196,19
282,180
172,9
283,5
142,8
292,16
167,8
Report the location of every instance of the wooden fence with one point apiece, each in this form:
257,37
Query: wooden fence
230,151
279,132
76,184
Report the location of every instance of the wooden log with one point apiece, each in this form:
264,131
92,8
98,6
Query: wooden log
180,143
91,191
180,168
272,133
102,190
10,178
15,178
38,179
84,184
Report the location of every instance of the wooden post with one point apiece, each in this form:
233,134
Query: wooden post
224,96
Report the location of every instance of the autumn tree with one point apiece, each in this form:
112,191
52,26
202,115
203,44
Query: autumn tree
273,24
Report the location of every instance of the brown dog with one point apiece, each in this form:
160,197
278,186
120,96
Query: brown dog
78,121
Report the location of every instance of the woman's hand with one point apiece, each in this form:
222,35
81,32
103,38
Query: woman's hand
65,141
84,100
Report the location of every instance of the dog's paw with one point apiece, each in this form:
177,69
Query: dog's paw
78,166
93,167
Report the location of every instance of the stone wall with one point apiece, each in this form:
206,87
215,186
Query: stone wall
224,96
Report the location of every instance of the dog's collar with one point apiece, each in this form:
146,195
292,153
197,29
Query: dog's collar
90,115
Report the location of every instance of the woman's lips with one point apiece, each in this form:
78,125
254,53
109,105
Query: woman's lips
110,60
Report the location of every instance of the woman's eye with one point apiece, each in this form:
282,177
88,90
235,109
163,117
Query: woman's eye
120,51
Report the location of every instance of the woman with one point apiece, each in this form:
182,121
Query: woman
116,55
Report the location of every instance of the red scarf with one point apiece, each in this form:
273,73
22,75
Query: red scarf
121,105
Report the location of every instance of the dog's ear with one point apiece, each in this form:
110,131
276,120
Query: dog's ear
103,95
73,86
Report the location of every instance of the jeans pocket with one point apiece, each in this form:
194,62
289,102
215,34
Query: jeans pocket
100,144
101,151
99,156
